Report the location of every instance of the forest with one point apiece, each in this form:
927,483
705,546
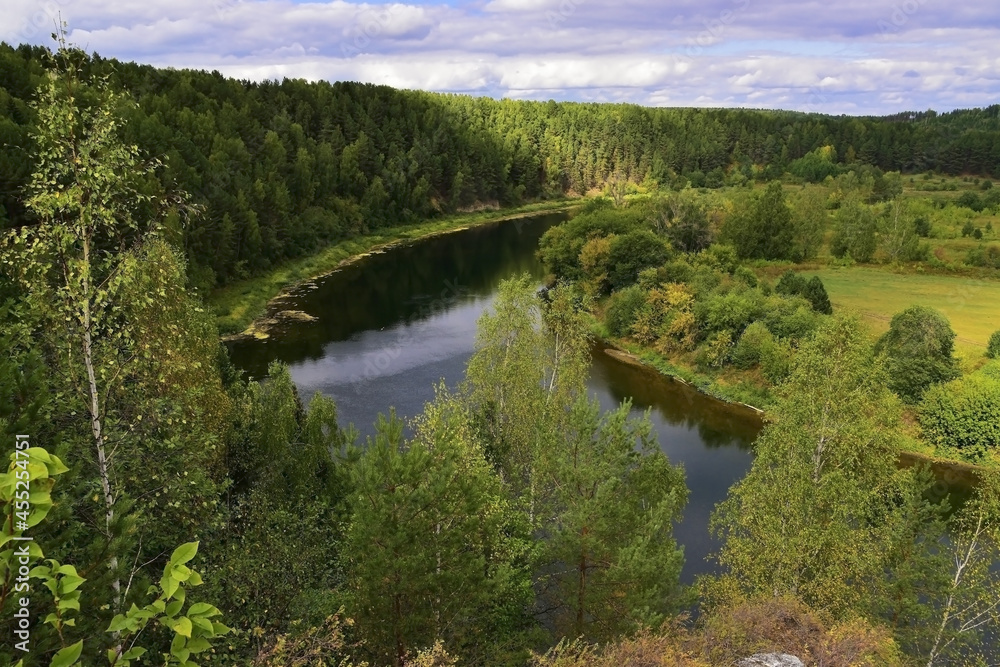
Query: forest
160,508
279,169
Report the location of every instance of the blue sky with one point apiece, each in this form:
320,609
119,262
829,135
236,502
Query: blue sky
848,56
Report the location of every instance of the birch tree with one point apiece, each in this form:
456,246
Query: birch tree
132,360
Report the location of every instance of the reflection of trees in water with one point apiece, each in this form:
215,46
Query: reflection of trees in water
717,423
403,285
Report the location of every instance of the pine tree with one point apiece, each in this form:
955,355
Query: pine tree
610,563
816,294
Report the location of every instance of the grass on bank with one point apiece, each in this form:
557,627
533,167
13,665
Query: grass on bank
970,304
237,305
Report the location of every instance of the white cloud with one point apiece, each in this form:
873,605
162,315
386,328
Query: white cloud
856,56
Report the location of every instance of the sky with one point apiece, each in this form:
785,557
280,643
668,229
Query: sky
838,56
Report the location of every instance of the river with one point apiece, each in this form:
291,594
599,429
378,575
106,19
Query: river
394,324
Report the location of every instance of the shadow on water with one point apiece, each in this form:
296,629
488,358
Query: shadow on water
390,327
405,284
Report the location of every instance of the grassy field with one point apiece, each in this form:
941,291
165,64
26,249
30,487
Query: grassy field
237,305
972,305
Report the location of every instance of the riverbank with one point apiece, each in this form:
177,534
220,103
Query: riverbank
239,306
915,451
735,388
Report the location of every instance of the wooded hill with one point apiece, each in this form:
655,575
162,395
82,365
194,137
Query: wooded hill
280,169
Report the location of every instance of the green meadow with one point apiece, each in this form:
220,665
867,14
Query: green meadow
971,304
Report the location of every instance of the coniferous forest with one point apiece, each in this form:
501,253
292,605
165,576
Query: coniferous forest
161,508
281,169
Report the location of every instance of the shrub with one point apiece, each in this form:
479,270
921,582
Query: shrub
986,257
704,280
715,352
750,348
732,311
776,361
918,347
993,348
793,319
963,414
720,256
623,308
790,284
676,271
746,276
631,253
793,284
970,200
787,625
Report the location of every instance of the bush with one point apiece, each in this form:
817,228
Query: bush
987,257
677,271
746,276
793,284
918,347
971,200
716,350
623,308
631,253
790,284
752,346
732,311
776,361
719,256
963,414
993,348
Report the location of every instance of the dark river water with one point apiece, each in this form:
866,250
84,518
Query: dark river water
394,324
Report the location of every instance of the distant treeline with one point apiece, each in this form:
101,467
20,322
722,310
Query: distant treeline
280,169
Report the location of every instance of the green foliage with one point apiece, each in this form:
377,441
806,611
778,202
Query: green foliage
193,630
811,220
986,256
763,228
758,346
715,353
795,525
964,605
963,415
746,276
560,247
919,349
816,165
610,564
623,309
24,508
815,294
855,231
993,348
288,467
791,284
426,553
529,366
899,235
631,253
683,219
970,200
